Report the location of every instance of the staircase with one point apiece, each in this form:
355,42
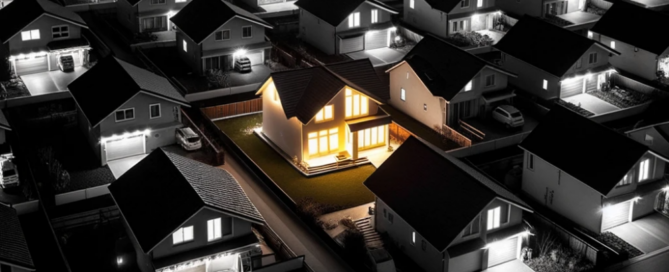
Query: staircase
315,170
372,238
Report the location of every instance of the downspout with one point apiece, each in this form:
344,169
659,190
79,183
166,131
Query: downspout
443,260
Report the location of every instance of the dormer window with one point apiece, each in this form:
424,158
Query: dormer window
468,87
354,20
325,114
464,4
356,104
592,58
182,235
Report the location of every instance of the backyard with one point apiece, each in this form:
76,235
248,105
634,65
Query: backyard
342,189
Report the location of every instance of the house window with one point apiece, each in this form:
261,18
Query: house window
158,23
222,35
125,114
424,107
29,35
179,1
375,16
391,218
182,235
473,228
530,161
157,2
458,26
545,84
479,3
649,139
185,46
214,229
464,3
325,114
58,32
323,141
412,4
413,238
246,32
403,94
601,78
354,20
385,214
579,63
468,87
589,34
592,58
644,169
490,80
494,218
154,111
356,104
627,179
613,45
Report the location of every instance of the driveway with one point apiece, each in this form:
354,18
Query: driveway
591,103
120,166
515,266
379,57
648,233
51,82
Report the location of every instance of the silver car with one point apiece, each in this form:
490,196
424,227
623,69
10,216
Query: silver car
508,115
188,139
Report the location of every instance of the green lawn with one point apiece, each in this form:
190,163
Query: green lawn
342,188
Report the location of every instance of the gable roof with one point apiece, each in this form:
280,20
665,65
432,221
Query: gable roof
199,19
584,149
304,92
636,26
444,68
443,5
112,82
335,12
13,246
433,192
20,13
546,46
146,195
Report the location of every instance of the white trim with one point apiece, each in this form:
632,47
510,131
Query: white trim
125,119
223,39
160,111
62,37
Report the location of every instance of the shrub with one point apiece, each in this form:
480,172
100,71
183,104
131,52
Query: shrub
354,246
309,210
348,223
217,78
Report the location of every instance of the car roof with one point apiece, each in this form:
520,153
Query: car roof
188,132
508,108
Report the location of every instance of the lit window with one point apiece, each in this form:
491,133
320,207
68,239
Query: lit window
413,238
412,4
214,229
182,235
589,34
649,139
125,114
375,16
468,87
464,3
613,44
545,84
494,217
180,1
324,141
644,168
325,114
407,75
30,35
354,19
490,80
356,104
222,35
246,32
313,143
58,32
403,94
185,46
479,3
154,111
334,139
592,58
530,161
625,181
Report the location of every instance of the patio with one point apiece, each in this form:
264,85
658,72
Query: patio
379,57
648,234
591,103
579,17
51,82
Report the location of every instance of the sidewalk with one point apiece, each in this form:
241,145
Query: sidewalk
286,224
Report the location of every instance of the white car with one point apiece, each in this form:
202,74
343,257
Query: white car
508,115
8,175
188,139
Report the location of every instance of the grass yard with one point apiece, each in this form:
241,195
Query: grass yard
343,188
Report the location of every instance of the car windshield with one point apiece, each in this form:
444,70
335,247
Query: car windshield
8,173
516,114
193,139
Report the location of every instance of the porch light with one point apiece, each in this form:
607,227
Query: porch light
475,17
119,261
371,32
665,189
636,199
145,132
393,29
240,52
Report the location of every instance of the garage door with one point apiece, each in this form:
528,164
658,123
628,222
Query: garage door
126,147
616,215
503,251
351,44
255,58
376,39
466,263
571,87
31,66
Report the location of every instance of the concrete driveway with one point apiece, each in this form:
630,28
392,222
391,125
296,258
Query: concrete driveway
591,103
515,266
120,166
51,82
648,233
379,57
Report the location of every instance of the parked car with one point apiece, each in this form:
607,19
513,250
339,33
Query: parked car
508,115
188,139
66,63
243,65
10,177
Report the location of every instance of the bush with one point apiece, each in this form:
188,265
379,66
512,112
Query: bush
218,78
58,176
468,39
354,246
309,210
348,223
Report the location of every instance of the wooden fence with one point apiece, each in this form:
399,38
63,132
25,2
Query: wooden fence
228,110
398,133
455,136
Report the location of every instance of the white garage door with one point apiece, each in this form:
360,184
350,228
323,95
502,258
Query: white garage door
31,66
126,147
571,88
503,251
255,58
616,215
376,39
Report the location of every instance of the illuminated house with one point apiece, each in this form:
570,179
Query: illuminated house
444,18
439,84
443,214
552,62
213,34
641,55
183,215
316,113
339,27
36,33
575,15
147,15
125,110
591,175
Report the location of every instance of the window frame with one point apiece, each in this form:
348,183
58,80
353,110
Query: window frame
645,172
462,4
158,2
354,19
160,112
403,94
375,16
212,234
124,115
530,162
485,79
323,115
183,236
470,227
496,218
250,32
592,58
626,180
60,32
31,34
222,36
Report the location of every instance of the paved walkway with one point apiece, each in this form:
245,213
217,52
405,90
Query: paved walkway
649,233
354,213
285,223
515,266
591,103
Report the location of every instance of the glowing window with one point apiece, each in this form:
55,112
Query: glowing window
403,94
214,229
325,114
545,84
613,44
356,104
375,16
323,141
30,35
412,4
185,46
354,19
468,87
182,235
413,237
334,139
644,168
313,143
589,34
494,217
479,3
